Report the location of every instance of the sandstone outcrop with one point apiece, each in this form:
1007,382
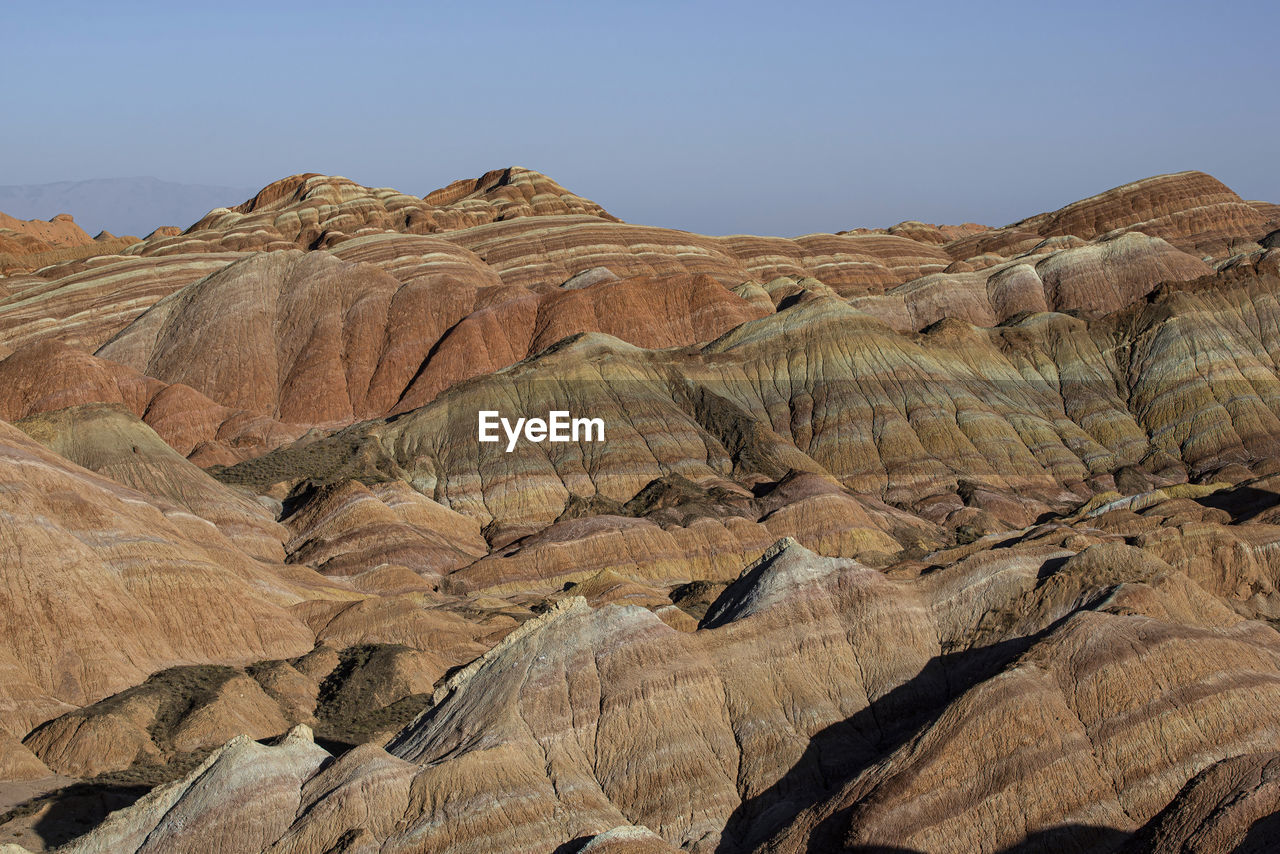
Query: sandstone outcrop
1191,210
925,538
333,341
1092,279
27,236
113,442
166,587
753,743
85,304
1230,806
316,211
347,528
737,415
47,375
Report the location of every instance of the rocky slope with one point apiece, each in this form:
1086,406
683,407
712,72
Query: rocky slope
32,245
926,538
24,236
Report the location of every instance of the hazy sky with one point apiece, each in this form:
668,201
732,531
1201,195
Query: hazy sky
716,117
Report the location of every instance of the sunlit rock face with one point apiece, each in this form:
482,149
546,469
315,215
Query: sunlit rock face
938,538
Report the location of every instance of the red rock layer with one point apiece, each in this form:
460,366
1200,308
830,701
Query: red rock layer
22,236
316,211
86,303
48,376
1016,622
102,585
1191,210
322,341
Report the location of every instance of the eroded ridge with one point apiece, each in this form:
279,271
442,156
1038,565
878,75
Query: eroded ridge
936,538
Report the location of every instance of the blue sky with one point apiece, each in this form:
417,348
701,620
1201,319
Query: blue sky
716,117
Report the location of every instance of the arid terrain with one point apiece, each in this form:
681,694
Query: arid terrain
930,538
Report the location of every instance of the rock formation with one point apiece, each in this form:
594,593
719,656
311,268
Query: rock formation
923,538
24,236
27,245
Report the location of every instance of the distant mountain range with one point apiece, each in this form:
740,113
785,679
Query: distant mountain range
120,205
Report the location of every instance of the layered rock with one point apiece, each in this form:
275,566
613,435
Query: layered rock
84,305
195,812
175,712
47,376
167,587
931,538
26,236
1090,279
315,211
113,442
349,528
333,341
36,245
1230,806
554,249
1110,708
956,407
359,694
1191,210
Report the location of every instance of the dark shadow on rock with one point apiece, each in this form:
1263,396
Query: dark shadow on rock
81,807
788,301
1071,839
1050,566
1262,838
1243,502
842,751
838,754
573,846
335,746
